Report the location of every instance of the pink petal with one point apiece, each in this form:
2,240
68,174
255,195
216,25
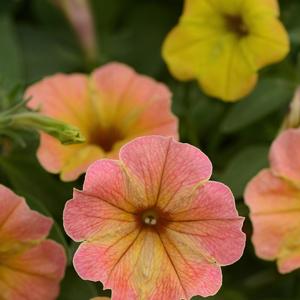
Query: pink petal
164,167
275,212
187,272
284,155
210,221
289,263
132,268
64,97
90,217
97,260
35,274
106,180
134,103
18,222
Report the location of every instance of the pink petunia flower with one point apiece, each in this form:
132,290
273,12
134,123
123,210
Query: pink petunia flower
30,266
111,107
152,224
273,197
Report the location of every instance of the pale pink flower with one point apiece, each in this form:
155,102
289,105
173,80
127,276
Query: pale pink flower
31,267
152,225
273,197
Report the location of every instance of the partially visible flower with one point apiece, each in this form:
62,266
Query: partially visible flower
273,197
292,120
80,17
152,224
111,107
223,44
30,266
101,298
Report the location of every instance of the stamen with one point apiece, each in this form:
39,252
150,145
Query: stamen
150,217
237,25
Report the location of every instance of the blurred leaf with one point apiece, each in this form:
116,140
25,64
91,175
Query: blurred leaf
45,54
108,13
11,64
74,288
138,42
269,96
245,165
30,180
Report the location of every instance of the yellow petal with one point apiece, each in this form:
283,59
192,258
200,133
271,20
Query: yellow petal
268,42
261,7
79,161
228,73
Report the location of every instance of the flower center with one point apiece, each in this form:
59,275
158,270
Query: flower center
150,217
237,25
106,138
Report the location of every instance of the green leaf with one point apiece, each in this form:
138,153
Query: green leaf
245,165
74,288
30,180
11,64
269,96
45,53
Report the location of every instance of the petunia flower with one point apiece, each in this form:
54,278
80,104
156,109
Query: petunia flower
31,267
111,107
273,197
152,225
223,44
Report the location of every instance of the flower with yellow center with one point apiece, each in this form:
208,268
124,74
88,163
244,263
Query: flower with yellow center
223,43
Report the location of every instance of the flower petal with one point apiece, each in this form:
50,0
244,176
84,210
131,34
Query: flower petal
284,155
35,274
105,179
18,223
266,33
209,220
97,260
86,217
164,167
183,48
256,8
64,97
289,256
275,212
186,272
132,269
129,101
77,163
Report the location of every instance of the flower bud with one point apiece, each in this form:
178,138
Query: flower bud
65,133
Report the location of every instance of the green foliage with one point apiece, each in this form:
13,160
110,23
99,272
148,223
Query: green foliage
11,63
36,41
269,96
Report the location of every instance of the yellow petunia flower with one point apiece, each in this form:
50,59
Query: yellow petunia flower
223,43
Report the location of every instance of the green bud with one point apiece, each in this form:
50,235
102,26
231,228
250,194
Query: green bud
66,134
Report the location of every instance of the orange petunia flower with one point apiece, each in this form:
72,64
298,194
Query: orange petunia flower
111,107
152,224
31,267
273,197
